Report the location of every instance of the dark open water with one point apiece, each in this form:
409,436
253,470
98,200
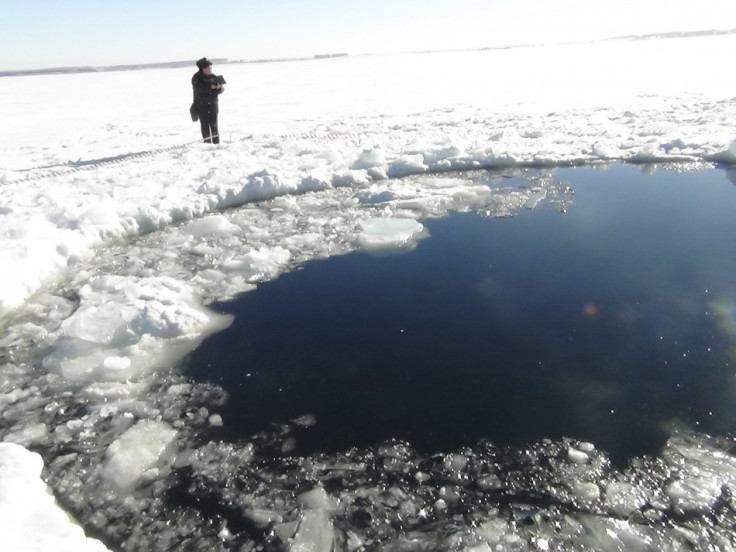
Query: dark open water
613,322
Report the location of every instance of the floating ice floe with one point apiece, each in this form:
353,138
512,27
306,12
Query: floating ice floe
124,327
389,233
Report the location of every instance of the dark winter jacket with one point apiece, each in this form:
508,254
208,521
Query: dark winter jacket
204,94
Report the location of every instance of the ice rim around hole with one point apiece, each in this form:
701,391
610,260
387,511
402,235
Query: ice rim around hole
89,384
104,288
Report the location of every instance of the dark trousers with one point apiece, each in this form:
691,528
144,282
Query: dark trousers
208,121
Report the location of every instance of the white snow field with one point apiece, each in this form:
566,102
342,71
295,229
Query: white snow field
118,228
29,518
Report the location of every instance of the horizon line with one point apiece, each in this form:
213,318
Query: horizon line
175,64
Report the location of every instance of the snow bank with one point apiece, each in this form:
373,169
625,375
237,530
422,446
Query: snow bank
30,519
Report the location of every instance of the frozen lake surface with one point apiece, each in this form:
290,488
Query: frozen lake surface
122,236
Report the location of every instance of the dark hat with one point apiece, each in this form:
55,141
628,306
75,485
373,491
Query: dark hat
204,62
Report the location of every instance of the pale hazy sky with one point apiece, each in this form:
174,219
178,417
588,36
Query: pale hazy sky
52,33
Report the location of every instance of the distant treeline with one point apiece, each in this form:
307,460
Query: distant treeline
175,64
161,65
683,34
90,69
329,56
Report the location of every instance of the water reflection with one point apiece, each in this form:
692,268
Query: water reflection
598,324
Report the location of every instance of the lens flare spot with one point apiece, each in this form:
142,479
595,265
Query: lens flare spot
725,313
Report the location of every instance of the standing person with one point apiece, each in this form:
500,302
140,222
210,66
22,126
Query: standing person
206,90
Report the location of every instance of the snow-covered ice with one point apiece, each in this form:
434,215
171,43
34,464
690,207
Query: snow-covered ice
30,520
302,126
118,229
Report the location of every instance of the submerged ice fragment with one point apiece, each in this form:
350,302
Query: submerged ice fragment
140,449
315,532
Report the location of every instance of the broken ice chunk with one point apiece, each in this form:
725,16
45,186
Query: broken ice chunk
136,451
213,224
315,533
535,199
623,499
318,499
116,363
577,456
33,433
389,233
